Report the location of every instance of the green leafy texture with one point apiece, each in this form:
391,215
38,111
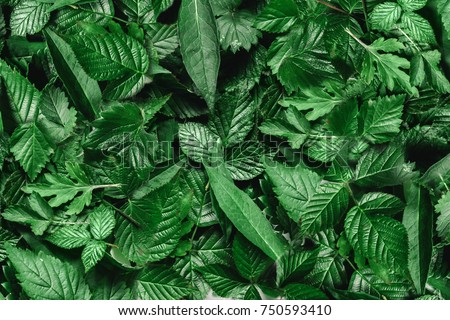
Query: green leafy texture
277,16
223,281
412,5
6,238
385,15
381,119
383,167
443,221
83,90
366,281
44,277
70,237
62,189
31,148
294,187
164,38
245,214
426,66
101,222
236,31
138,10
418,221
418,28
199,44
299,291
436,173
250,261
92,253
159,283
233,117
443,7
325,208
23,97
197,141
59,120
380,203
244,160
343,119
220,7
109,288
380,239
29,17
160,6
109,56
295,265
389,67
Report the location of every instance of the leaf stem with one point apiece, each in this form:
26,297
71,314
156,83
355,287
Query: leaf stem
329,5
409,39
99,13
363,277
123,214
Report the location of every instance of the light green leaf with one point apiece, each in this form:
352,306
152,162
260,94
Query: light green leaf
164,38
199,45
84,91
412,5
70,237
277,16
380,239
245,214
159,283
92,253
22,95
101,222
381,119
443,221
325,208
31,148
45,277
418,221
418,28
294,186
385,15
426,65
29,17
236,31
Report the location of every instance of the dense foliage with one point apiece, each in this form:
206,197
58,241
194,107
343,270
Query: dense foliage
161,149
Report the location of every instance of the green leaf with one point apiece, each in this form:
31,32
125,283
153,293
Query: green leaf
295,265
412,5
31,148
197,141
381,119
426,65
383,167
138,10
245,214
436,173
299,291
236,31
223,6
23,97
92,253
6,238
159,283
84,91
294,187
223,281
109,56
233,117
443,221
164,38
418,221
29,17
380,203
101,222
385,15
418,28
199,45
325,208
70,237
277,16
380,239
250,261
244,160
44,277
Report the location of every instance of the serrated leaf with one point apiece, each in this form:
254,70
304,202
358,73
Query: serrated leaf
223,281
236,31
44,277
385,15
6,238
29,17
381,239
23,97
245,214
325,208
70,237
443,221
199,46
244,160
107,289
380,203
412,5
197,141
138,10
418,221
31,148
381,119
426,65
164,38
277,16
294,187
295,265
418,28
84,91
92,253
159,283
109,56
101,222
